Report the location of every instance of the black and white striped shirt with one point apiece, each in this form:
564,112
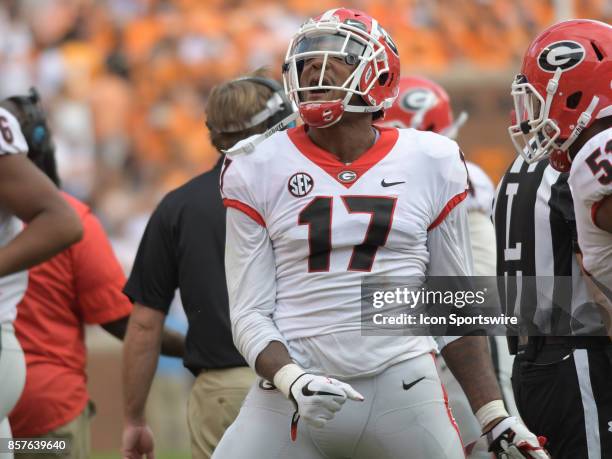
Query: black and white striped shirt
536,239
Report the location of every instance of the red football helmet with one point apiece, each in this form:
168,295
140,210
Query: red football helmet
424,105
564,86
359,41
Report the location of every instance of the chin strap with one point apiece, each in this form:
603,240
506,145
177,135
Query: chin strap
583,121
362,109
551,90
453,130
245,147
419,116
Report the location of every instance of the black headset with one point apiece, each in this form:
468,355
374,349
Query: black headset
32,119
33,123
278,104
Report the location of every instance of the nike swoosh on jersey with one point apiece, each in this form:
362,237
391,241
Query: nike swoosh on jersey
408,386
386,184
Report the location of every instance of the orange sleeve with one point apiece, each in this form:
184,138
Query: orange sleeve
99,278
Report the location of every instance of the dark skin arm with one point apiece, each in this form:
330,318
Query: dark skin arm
271,359
470,361
603,217
52,225
172,342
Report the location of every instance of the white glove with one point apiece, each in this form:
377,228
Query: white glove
511,439
316,398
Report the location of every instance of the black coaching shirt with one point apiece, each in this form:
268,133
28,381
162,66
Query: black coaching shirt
183,247
536,236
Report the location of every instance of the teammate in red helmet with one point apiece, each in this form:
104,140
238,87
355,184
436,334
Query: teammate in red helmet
563,111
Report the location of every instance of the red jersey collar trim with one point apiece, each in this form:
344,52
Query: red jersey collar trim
333,166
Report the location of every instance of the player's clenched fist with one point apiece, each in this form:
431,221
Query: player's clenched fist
511,439
317,398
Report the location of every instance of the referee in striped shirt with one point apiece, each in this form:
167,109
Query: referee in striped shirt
561,374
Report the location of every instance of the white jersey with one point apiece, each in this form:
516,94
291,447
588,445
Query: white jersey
482,191
13,286
591,181
479,205
304,229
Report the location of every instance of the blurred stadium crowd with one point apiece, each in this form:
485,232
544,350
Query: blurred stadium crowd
125,81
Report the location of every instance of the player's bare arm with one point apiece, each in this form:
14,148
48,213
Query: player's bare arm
468,357
470,361
271,359
51,223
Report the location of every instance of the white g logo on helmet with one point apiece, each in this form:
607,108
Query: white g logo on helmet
562,55
417,99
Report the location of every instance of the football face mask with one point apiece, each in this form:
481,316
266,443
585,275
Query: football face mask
323,95
533,133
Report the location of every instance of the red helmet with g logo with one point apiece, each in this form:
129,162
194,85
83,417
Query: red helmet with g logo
563,87
362,43
424,105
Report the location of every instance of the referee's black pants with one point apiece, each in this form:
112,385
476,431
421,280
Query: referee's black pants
565,394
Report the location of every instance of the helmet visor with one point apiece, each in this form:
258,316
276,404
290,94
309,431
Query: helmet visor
339,43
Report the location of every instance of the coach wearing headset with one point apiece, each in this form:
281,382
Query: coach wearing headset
183,247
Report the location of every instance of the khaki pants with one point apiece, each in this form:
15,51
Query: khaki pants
214,402
76,433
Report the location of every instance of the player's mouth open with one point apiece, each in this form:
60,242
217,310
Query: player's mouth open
319,91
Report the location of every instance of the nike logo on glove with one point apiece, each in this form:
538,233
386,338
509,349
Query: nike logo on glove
309,393
386,184
408,386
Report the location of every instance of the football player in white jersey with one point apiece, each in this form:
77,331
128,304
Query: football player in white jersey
425,105
26,195
563,107
311,212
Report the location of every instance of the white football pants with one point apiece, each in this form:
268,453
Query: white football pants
404,415
12,378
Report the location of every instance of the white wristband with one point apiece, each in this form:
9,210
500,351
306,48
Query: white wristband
490,412
286,376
